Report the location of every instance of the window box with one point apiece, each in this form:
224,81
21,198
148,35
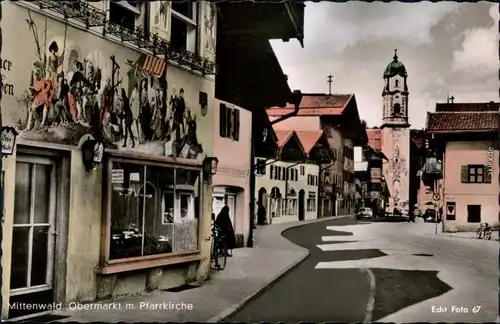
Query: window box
152,211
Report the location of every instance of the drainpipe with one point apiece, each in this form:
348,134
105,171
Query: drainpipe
296,99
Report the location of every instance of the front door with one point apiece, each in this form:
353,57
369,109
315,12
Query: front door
231,203
33,239
301,205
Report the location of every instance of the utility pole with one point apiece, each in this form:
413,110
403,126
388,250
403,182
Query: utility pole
329,80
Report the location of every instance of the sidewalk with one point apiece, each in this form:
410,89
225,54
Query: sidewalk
468,235
247,273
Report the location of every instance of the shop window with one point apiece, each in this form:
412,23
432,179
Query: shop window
124,13
229,122
152,210
184,26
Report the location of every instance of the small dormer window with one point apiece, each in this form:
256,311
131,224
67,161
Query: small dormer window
396,84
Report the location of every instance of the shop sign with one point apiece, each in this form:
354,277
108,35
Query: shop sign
117,176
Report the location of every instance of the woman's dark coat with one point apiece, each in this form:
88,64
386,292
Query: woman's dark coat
223,221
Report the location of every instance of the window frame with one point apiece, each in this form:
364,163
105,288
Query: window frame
475,174
110,266
192,22
127,6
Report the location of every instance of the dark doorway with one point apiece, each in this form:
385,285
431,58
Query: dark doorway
474,213
302,211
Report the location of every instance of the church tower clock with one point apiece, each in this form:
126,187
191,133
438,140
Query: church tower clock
395,133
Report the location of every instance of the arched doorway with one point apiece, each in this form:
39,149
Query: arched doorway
262,199
302,211
275,203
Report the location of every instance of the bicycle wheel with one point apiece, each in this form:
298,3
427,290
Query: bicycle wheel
487,235
221,255
479,231
213,255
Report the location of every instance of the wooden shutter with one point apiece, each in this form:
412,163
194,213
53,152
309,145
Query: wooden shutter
222,120
236,127
487,174
465,174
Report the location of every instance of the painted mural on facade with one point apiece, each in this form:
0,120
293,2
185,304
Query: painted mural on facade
210,17
72,93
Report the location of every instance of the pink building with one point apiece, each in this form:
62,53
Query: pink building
231,184
468,136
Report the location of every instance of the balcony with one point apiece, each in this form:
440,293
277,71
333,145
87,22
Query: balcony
82,13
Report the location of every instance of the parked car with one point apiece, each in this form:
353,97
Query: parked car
364,213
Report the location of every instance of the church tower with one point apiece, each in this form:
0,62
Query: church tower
395,135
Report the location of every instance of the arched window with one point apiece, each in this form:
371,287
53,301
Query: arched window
397,109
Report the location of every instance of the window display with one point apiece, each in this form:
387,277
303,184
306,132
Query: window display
152,210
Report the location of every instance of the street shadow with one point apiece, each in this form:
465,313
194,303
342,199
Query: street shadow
349,255
398,289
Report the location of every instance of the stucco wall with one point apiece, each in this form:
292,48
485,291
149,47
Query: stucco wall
396,147
485,194
234,163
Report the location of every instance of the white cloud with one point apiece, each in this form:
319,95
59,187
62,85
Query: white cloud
480,47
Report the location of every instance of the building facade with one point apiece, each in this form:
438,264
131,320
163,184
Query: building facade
337,116
119,227
465,135
231,184
395,135
288,188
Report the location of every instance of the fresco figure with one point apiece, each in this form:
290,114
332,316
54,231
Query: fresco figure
145,114
107,98
135,108
179,111
128,119
54,62
60,100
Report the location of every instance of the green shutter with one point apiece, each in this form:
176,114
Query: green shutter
222,120
487,174
465,174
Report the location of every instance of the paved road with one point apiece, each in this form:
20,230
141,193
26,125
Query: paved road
390,272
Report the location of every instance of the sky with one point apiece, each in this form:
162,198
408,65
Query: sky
447,48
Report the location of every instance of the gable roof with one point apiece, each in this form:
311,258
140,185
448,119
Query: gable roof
315,105
464,121
285,136
308,139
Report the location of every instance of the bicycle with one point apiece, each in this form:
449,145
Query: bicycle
484,231
218,254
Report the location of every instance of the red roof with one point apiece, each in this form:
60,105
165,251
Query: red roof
465,121
469,106
309,139
283,136
315,105
375,138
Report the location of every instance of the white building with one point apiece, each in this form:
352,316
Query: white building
288,190
395,135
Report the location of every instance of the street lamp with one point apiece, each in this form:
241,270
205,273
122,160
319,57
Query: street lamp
9,136
92,153
210,167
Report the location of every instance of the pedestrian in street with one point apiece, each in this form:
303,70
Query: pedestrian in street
261,214
223,222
